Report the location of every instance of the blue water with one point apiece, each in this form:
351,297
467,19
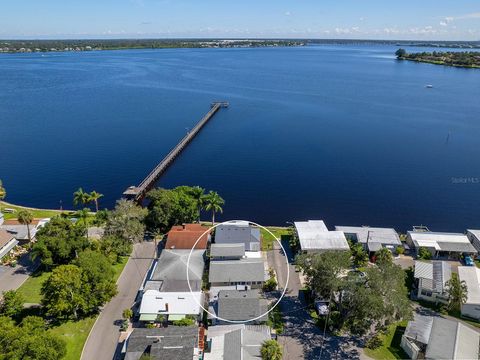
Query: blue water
341,133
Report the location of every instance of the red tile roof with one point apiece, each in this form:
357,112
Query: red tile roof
185,236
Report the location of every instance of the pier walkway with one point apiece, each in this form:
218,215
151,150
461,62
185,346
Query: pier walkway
137,193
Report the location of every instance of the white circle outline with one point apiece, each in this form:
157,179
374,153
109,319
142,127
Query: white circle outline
238,321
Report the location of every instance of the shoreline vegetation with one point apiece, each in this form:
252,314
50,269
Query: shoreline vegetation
464,59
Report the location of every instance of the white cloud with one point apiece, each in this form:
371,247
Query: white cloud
287,13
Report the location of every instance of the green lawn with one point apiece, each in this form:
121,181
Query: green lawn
118,268
30,289
268,239
391,344
37,213
75,334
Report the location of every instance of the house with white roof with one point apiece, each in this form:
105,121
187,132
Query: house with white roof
314,236
372,238
474,237
431,280
238,232
471,276
440,244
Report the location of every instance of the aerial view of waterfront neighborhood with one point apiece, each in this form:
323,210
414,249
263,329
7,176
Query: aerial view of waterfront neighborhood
294,182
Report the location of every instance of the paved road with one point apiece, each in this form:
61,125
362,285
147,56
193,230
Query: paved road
301,338
12,278
102,342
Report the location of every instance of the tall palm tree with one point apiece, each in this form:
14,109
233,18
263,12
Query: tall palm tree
3,192
82,216
81,197
271,350
25,217
457,292
95,196
198,194
213,202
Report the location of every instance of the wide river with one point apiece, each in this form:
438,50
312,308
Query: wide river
341,133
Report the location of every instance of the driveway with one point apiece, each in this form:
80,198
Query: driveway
301,338
11,278
102,342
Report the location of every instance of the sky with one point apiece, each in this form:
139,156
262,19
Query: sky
346,19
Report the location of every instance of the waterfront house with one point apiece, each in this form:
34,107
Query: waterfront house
227,251
474,237
441,245
471,276
434,338
236,341
431,279
314,236
372,238
7,242
169,343
235,232
240,305
248,272
185,236
20,232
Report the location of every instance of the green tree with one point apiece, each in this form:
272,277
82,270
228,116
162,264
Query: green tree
25,217
457,293
400,53
12,304
126,221
3,192
81,197
198,194
271,350
95,196
424,254
213,203
83,216
383,256
97,279
127,314
114,247
359,255
63,293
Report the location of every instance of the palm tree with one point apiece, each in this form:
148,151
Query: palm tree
3,192
271,350
213,202
95,196
81,197
83,217
25,217
457,292
198,194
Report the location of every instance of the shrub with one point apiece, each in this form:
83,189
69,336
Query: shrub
270,285
424,254
127,314
400,250
374,342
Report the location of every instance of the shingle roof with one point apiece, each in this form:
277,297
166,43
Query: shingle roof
185,236
238,232
171,268
233,345
227,250
314,235
237,270
170,343
241,305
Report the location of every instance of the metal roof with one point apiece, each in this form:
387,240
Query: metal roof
227,250
314,235
368,234
237,270
436,272
471,276
440,241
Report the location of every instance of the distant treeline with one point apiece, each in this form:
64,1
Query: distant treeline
467,59
114,44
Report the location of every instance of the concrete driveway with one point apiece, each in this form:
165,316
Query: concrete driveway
301,338
102,342
11,278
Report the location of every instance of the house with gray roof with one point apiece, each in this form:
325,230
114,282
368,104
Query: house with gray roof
237,272
168,343
227,251
236,342
431,278
372,238
240,305
441,245
7,242
235,232
437,338
169,273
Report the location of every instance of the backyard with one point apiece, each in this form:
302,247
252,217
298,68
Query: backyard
390,348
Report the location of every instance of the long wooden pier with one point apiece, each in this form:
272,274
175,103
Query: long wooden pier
137,193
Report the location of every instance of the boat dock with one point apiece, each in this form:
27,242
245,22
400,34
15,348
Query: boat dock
137,193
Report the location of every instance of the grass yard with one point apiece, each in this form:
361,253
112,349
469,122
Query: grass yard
30,289
75,334
37,213
391,344
268,239
118,268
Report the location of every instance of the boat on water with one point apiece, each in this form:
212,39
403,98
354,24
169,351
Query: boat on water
429,86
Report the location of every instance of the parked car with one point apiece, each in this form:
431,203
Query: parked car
469,261
321,307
